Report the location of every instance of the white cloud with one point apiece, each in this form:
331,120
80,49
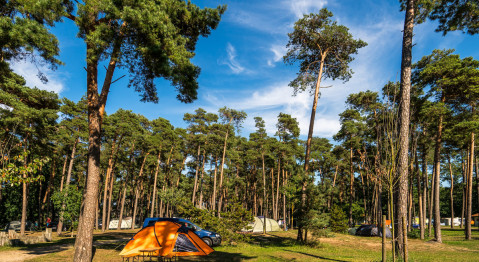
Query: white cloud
231,61
30,72
301,7
270,101
278,52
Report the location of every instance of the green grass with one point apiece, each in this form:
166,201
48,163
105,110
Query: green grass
281,246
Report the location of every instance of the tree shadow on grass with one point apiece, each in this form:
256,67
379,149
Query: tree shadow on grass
219,256
272,241
316,257
49,247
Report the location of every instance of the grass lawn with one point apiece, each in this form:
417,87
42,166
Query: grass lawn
279,246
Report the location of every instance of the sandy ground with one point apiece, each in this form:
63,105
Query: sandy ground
30,253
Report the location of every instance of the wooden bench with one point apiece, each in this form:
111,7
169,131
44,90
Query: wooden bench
169,257
128,257
149,253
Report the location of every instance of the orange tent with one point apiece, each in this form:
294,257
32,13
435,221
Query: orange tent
170,238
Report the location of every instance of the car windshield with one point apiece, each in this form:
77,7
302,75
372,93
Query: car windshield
192,226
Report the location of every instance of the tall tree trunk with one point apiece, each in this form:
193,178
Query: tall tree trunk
213,198
195,186
404,104
137,191
477,182
24,204
49,188
419,175
97,211
308,148
451,192
264,192
351,185
120,220
84,239
255,203
285,181
221,169
107,181
468,233
464,187
431,197
273,201
277,191
437,177
153,197
63,172
201,179
67,183
112,180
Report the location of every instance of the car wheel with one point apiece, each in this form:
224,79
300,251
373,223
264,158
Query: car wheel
208,241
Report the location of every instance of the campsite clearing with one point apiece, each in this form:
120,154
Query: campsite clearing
278,246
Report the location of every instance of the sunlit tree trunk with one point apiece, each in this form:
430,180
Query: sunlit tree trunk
351,185
220,202
195,186
308,146
276,215
451,193
107,181
201,179
419,176
437,177
84,239
404,104
123,196
213,198
110,195
468,233
67,183
153,196
264,193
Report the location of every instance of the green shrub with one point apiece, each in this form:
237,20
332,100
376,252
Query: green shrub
314,243
339,221
323,233
416,234
231,221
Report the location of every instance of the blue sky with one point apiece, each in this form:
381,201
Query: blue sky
242,66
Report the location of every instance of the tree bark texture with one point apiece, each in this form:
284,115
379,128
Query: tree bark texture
195,186
220,202
84,239
153,197
468,233
308,148
437,177
405,90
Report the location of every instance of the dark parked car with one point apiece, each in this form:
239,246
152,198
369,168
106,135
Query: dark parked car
210,238
16,225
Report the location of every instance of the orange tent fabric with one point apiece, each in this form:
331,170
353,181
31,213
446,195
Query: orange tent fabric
169,237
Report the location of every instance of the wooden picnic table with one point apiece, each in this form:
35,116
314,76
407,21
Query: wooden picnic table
148,252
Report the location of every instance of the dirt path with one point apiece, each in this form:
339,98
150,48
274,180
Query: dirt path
30,253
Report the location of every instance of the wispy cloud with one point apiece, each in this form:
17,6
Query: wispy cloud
268,102
278,52
30,72
301,7
231,61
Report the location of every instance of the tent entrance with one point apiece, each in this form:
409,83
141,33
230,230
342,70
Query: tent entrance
183,244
